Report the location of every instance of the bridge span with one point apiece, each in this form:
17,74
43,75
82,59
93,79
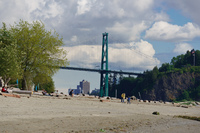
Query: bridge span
101,71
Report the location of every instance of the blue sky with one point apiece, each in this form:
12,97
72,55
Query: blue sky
142,33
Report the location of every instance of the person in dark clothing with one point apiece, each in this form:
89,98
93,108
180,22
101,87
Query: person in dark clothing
71,93
128,100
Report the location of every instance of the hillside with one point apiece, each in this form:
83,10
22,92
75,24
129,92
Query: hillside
177,80
174,86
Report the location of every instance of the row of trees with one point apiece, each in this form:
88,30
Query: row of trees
181,64
30,53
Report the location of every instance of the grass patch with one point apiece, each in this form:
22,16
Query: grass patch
189,117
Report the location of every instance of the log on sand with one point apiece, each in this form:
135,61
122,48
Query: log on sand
10,95
22,92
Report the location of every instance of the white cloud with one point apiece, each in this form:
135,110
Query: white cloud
14,10
164,31
86,18
47,10
143,5
131,30
83,6
84,55
182,48
137,56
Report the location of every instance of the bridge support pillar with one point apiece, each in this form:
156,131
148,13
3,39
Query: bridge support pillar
104,66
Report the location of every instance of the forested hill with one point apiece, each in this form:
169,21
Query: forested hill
175,86
176,80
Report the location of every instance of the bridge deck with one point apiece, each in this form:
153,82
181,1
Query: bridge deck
100,71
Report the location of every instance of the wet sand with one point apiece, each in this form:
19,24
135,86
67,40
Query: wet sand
45,114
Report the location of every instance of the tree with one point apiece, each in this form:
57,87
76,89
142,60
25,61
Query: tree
9,61
48,85
166,67
185,95
155,73
40,50
197,58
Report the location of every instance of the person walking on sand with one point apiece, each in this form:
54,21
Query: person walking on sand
123,97
128,100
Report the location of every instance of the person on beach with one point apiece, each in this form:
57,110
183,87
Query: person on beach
123,97
4,89
71,93
128,100
44,92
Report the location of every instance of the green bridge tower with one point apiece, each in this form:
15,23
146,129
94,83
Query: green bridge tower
104,66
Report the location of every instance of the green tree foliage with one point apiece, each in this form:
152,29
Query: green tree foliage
126,85
185,95
9,61
48,85
40,51
186,59
197,58
166,67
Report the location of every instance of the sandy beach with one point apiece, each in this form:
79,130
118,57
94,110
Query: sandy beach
46,114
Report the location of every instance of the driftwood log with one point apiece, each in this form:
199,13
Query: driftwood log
10,95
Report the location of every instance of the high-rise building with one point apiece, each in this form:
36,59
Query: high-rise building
85,87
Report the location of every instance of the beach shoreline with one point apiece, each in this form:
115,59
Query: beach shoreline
88,114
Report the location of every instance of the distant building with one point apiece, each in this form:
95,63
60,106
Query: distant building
95,92
78,90
85,87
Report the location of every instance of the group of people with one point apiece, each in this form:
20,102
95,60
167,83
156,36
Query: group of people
123,96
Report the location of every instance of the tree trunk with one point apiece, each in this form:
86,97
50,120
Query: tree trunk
5,80
24,84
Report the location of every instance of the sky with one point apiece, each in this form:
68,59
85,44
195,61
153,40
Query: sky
142,34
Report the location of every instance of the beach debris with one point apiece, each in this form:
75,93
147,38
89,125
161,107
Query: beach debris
189,117
10,95
22,92
140,100
67,98
133,98
156,113
184,106
102,130
176,104
102,100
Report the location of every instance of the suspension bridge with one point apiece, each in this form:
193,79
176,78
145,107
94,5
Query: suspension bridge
104,68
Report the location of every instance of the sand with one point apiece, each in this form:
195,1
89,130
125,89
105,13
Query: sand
45,114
